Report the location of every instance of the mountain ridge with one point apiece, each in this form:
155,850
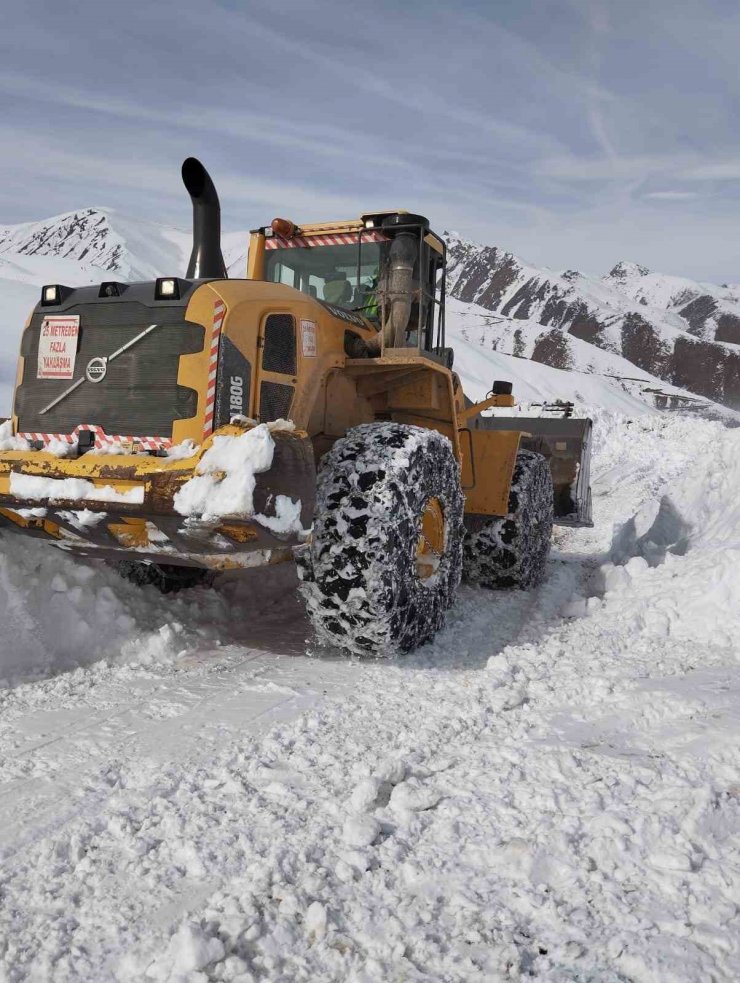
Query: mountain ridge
678,330
613,327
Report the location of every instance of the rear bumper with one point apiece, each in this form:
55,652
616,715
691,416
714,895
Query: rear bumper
124,505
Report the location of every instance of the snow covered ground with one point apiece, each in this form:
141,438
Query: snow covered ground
550,790
190,790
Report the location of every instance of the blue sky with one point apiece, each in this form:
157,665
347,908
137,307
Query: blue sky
573,133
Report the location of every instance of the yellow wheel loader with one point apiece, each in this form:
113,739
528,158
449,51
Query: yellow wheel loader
310,411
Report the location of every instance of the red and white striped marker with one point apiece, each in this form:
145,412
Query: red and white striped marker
219,312
336,239
103,440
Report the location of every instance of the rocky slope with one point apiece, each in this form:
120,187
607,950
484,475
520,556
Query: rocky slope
712,313
98,239
685,333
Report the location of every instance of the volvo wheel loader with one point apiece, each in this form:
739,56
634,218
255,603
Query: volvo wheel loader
308,411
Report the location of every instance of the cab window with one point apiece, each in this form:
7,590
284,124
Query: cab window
346,275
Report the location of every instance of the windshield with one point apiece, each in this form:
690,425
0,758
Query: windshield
346,275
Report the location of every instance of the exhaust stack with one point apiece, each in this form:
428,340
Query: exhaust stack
206,259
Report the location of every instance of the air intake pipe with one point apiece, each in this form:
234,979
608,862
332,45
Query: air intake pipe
206,259
401,289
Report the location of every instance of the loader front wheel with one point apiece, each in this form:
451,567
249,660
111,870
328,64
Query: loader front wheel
512,551
385,557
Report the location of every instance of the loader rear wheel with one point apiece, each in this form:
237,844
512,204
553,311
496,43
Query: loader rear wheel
385,557
166,577
512,551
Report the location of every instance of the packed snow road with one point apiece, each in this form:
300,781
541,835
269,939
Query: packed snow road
551,789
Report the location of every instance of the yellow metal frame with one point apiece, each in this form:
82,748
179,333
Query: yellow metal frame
498,401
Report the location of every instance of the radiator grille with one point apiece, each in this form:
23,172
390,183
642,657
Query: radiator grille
275,401
279,351
139,393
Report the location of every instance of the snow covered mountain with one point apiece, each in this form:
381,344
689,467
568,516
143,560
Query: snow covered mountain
96,239
684,333
505,320
100,238
712,313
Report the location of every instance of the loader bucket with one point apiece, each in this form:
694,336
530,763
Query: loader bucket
566,443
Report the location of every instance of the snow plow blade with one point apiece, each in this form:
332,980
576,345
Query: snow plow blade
566,443
123,507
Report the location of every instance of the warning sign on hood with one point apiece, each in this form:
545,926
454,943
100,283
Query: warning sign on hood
58,347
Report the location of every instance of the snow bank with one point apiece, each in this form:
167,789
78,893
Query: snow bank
8,440
674,566
708,498
58,613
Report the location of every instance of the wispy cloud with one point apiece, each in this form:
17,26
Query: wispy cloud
719,170
574,131
672,195
40,157
317,137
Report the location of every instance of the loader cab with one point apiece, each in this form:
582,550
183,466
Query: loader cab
387,268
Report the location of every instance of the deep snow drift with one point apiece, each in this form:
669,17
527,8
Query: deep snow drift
549,790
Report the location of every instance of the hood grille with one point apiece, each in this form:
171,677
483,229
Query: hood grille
139,393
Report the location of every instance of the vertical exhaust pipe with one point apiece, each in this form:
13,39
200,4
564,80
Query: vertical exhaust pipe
206,259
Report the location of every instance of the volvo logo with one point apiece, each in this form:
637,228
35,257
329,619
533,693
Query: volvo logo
96,369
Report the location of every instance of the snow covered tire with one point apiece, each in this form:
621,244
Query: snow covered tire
362,581
512,551
166,577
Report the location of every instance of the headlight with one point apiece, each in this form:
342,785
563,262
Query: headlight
167,288
51,295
